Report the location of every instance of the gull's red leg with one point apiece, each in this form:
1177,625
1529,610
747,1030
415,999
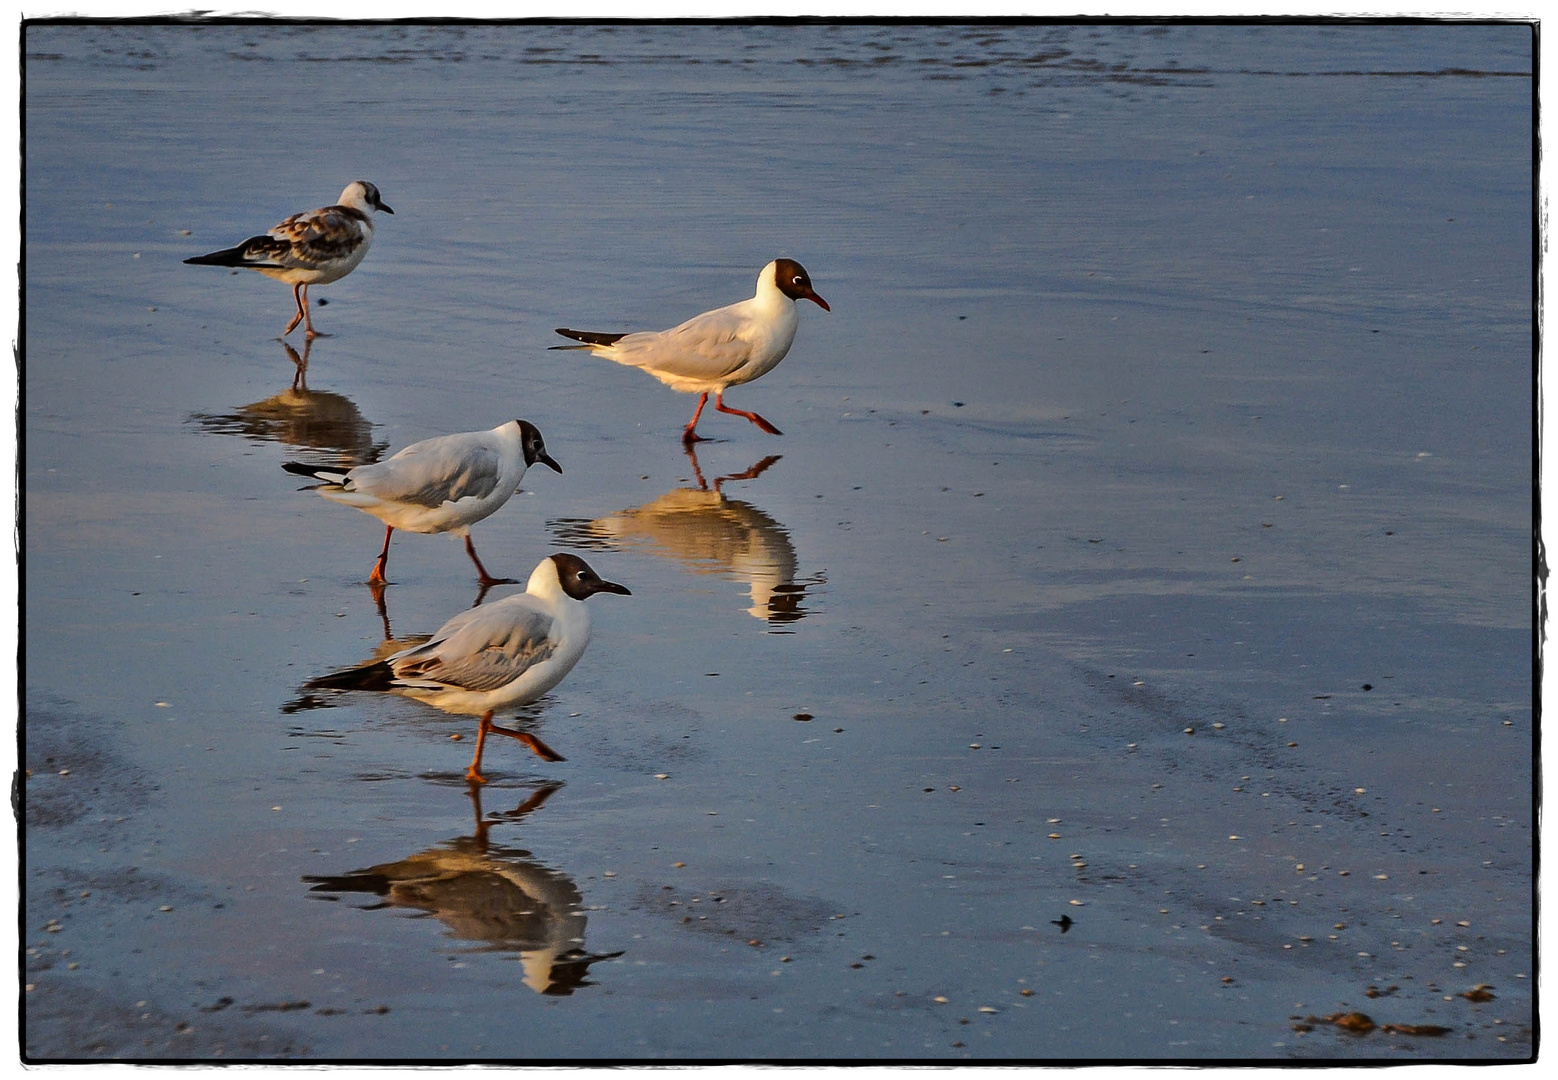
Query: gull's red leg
487,580
377,577
689,434
308,322
719,403
539,748
473,774
297,296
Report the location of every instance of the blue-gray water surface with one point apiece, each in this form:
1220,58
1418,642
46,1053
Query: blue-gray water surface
1124,653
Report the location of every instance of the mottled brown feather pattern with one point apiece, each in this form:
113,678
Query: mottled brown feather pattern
312,239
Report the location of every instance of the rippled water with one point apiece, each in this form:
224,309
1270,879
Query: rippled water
1125,651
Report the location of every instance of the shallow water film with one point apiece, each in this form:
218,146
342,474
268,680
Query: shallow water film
1125,652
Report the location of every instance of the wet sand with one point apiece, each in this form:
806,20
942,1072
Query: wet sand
1125,652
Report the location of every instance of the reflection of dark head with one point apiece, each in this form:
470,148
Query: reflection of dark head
784,606
569,971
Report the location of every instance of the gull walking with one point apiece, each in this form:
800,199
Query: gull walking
313,248
719,349
506,653
444,484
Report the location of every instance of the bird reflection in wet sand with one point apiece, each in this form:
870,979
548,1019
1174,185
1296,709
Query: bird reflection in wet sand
325,425
710,533
498,897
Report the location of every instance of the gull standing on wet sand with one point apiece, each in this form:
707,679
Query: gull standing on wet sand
444,484
314,248
491,657
718,349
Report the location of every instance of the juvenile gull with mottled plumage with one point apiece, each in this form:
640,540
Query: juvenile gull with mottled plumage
443,484
313,248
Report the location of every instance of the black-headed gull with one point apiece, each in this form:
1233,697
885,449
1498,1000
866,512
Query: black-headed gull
444,484
719,349
498,655
313,248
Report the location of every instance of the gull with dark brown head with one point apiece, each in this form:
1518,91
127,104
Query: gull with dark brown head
495,656
313,248
444,484
712,352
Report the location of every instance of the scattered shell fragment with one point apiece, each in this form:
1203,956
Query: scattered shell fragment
1358,1022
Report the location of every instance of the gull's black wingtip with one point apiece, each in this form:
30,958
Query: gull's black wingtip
587,337
377,676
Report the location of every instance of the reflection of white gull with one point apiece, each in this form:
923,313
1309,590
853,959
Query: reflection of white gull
710,533
718,349
445,484
313,248
313,420
509,652
498,897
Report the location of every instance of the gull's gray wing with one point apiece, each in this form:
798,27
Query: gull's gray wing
708,346
481,649
433,472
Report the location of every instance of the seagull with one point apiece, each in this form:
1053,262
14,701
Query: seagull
314,248
509,652
444,484
718,349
